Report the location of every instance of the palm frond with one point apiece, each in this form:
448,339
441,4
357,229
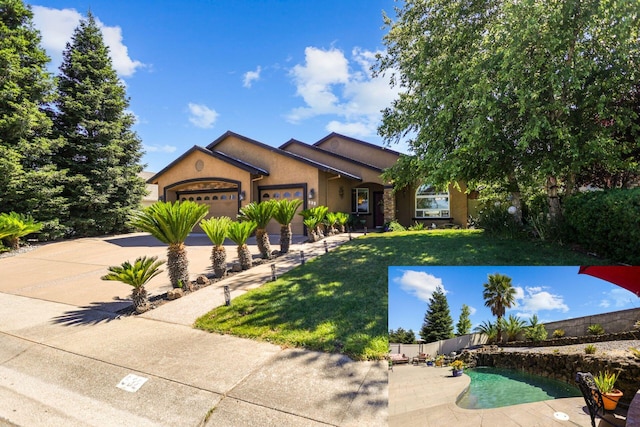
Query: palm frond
137,274
216,229
285,210
260,213
239,232
170,222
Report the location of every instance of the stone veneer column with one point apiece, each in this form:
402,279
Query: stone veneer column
389,201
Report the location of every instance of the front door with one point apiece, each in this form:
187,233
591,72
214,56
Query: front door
378,209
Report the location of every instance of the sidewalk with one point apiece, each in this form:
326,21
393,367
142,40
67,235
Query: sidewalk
64,350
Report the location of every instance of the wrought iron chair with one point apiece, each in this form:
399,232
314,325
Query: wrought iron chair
593,399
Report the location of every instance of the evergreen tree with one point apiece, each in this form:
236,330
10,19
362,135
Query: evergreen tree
30,183
438,324
101,152
401,336
463,326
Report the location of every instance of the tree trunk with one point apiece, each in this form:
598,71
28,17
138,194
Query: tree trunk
285,238
140,299
552,197
219,261
516,198
178,266
262,240
244,256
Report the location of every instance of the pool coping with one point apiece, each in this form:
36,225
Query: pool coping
426,396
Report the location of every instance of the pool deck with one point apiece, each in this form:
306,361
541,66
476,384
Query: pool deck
426,396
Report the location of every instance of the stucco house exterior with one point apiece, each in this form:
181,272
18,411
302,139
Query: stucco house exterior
338,171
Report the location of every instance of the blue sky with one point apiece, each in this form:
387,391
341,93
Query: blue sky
269,70
553,293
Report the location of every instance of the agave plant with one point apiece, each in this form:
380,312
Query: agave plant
13,226
284,213
171,223
137,275
216,229
239,232
261,214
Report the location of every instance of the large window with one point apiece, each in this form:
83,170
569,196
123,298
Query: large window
431,203
360,200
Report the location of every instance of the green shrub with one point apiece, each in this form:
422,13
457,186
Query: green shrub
596,329
590,349
605,222
558,333
417,226
536,333
394,226
495,219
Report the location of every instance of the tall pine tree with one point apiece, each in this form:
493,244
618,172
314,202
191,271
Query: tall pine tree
101,152
29,180
438,324
463,327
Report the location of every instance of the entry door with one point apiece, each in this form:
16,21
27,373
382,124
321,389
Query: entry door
378,208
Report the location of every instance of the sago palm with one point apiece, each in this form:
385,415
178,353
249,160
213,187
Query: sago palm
331,219
261,214
319,213
217,229
343,219
239,232
13,226
312,226
137,275
284,213
171,223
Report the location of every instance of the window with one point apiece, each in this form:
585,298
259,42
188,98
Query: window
431,203
287,195
214,198
276,195
265,196
360,200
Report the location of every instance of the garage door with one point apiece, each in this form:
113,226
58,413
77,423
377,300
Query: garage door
220,204
297,226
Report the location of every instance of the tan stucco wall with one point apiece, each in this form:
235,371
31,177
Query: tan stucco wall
405,207
376,156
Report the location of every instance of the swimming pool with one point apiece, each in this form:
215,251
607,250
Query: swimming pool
496,387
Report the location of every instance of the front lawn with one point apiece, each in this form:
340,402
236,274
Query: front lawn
338,302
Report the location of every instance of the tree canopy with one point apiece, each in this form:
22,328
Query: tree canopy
463,326
438,324
101,153
402,336
513,92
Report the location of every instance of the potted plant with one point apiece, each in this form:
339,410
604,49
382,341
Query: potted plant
610,395
439,360
457,367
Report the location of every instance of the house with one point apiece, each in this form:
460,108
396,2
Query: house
152,189
339,172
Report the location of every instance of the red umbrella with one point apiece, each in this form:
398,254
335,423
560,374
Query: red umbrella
627,277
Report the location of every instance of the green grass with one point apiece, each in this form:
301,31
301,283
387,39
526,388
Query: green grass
338,302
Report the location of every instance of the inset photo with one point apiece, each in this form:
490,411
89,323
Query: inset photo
542,345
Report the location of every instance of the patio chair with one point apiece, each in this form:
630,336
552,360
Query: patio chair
593,399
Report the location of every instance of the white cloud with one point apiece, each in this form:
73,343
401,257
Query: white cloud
534,299
159,149
56,27
472,310
620,297
419,284
202,116
605,303
251,76
331,84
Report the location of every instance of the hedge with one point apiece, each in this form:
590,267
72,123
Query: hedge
606,222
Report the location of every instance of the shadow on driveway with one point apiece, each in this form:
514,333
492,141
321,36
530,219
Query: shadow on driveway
92,315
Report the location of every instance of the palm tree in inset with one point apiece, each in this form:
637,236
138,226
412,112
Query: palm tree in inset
171,223
216,229
239,232
284,213
499,294
137,275
261,214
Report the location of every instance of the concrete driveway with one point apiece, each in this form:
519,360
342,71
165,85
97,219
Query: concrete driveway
68,359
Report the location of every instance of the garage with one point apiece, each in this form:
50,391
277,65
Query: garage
279,193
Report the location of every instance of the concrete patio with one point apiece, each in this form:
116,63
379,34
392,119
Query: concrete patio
426,396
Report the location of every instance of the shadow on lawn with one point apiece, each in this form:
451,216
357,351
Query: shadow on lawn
92,314
310,308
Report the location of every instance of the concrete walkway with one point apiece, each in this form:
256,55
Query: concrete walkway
426,396
64,350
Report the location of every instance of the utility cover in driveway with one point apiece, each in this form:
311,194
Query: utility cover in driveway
132,383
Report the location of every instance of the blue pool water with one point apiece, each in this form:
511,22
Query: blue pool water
496,387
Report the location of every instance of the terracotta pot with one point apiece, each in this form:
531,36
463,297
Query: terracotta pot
611,399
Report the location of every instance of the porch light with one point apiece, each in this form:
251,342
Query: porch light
312,193
242,195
